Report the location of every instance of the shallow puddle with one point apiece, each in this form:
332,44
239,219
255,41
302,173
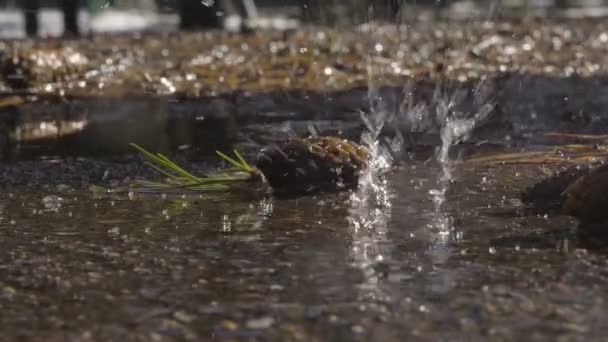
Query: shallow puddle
311,268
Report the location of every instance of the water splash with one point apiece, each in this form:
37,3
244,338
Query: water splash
370,206
456,124
370,212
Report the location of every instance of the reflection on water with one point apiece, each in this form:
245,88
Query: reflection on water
48,129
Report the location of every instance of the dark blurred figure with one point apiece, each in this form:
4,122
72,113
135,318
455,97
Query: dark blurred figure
199,14
30,8
209,14
311,10
379,9
70,16
386,9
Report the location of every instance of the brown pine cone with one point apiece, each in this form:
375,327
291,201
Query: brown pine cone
305,166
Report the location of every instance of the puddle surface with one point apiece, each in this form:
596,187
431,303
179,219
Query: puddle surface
230,268
450,264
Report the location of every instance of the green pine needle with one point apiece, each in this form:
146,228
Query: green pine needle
235,163
179,178
243,161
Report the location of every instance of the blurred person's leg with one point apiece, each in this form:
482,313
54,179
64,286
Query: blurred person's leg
386,9
310,10
244,9
199,14
393,7
30,8
70,16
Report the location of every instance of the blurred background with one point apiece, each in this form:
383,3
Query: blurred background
19,18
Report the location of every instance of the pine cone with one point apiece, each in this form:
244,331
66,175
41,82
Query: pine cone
311,165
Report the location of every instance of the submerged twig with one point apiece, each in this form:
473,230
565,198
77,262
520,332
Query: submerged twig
577,137
565,154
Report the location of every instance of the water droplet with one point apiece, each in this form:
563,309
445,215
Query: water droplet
226,224
277,287
208,3
52,203
184,317
260,323
492,250
357,329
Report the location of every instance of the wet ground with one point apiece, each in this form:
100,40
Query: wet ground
195,65
78,266
91,96
230,268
